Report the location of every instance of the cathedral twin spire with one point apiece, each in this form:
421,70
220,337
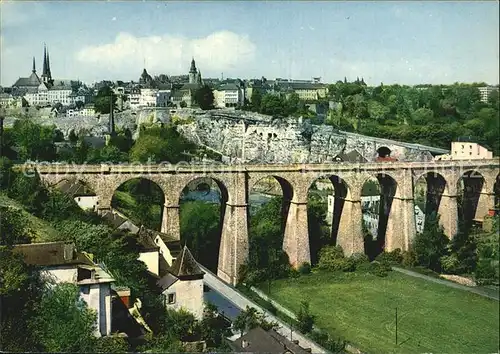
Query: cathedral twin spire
46,74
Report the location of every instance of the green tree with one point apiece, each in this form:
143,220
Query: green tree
256,100
204,97
73,137
199,222
6,173
431,244
272,105
64,322
104,100
34,141
305,320
28,190
160,144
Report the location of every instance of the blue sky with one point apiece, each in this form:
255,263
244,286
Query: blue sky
403,42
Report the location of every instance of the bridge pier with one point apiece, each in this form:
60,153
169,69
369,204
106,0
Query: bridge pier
350,230
485,202
170,223
401,228
234,243
448,214
296,237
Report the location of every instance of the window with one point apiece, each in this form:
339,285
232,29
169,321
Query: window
170,298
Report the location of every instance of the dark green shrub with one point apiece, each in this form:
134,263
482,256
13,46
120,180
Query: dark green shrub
360,260
255,276
393,257
305,320
485,272
293,273
409,259
364,267
305,268
380,269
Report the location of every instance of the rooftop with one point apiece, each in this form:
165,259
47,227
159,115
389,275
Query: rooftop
52,254
185,265
258,340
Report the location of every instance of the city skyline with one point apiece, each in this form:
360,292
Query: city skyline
390,42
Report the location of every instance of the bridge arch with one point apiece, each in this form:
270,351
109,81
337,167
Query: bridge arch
269,200
473,198
141,199
327,225
432,197
378,217
202,207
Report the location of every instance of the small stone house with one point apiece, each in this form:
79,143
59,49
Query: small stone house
82,195
182,285
60,262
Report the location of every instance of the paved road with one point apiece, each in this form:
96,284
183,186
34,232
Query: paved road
492,294
224,306
242,302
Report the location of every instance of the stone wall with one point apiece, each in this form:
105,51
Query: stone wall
246,136
252,137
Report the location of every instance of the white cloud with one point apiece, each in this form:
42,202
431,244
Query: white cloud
19,13
169,54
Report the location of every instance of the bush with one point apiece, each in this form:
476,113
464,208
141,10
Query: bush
293,273
409,259
330,258
256,276
305,268
364,267
329,343
393,257
485,272
360,260
450,264
380,269
305,320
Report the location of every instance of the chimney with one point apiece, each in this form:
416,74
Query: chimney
244,343
68,252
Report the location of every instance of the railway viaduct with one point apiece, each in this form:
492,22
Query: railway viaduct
447,182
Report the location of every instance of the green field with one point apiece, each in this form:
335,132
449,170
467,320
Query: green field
361,308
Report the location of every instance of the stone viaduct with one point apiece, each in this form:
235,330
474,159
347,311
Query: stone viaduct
447,182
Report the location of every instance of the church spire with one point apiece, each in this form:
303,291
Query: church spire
34,67
48,67
44,69
193,67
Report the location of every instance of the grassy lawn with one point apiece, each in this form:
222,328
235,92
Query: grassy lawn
361,308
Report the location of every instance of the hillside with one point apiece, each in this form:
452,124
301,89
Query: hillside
42,230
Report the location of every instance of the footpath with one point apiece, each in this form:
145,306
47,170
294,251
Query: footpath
491,294
242,302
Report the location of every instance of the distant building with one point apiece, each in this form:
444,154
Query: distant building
61,263
228,95
466,150
485,92
84,197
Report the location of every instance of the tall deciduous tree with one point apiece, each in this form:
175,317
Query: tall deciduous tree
64,322
103,99
204,97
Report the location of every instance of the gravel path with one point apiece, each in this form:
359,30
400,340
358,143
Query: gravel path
492,294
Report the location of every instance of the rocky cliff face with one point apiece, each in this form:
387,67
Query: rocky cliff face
246,136
256,138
